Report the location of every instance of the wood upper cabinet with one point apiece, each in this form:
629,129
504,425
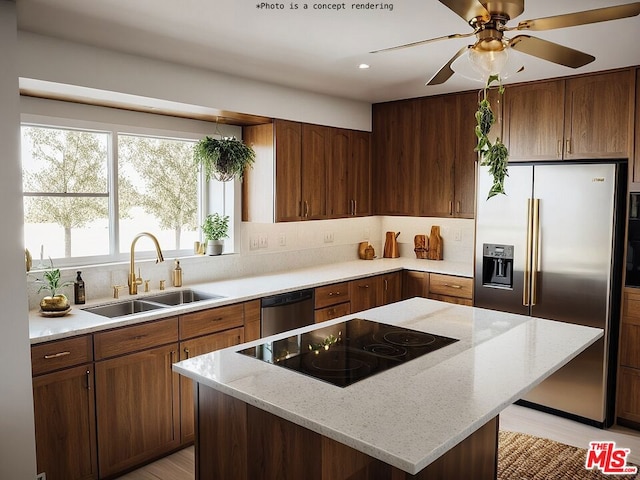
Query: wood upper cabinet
320,172
396,158
288,170
64,409
584,117
349,175
316,145
137,396
534,121
438,122
448,155
597,116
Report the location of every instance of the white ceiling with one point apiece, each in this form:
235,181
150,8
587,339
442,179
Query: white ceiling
319,50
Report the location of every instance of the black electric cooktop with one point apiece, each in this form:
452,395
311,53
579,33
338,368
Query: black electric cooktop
348,352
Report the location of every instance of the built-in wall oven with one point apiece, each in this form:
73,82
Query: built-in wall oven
286,311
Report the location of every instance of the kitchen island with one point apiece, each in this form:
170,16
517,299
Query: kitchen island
258,420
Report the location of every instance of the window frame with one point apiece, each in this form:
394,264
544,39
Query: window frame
212,196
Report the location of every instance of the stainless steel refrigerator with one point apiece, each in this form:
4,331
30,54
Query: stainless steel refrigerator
550,248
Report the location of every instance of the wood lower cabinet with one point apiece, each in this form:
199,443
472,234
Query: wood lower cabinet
332,301
137,395
364,293
634,167
415,284
192,348
391,288
64,409
628,400
452,289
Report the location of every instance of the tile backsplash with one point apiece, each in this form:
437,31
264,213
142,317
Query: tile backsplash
276,247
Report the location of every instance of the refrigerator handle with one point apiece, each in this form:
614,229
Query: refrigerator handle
526,289
536,250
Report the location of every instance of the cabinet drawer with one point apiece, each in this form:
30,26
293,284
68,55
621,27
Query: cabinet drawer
47,357
212,320
631,307
332,294
451,286
135,338
333,311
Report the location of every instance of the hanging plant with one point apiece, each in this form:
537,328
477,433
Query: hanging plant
493,155
223,159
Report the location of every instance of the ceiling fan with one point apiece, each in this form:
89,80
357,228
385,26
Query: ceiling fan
489,19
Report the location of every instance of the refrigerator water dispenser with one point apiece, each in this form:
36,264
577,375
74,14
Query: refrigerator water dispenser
497,265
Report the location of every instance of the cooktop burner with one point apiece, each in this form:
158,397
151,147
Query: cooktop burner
348,352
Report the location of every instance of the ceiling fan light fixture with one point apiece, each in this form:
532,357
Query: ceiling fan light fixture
488,62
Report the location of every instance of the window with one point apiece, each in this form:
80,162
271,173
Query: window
88,192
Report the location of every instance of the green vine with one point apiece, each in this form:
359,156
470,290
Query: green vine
494,155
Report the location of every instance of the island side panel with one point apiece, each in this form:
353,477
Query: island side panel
239,441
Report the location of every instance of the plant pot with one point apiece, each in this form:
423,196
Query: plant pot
57,303
214,247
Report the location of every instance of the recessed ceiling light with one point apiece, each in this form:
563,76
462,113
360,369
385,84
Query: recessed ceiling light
363,66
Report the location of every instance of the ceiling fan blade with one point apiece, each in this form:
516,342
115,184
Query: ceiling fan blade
581,18
423,42
550,51
445,72
467,9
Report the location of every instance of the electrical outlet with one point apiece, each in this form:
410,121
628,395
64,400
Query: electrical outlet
282,240
254,243
41,476
457,235
328,237
263,242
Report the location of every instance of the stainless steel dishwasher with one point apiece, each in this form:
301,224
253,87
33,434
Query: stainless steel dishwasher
286,312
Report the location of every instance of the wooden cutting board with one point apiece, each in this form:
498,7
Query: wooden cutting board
435,244
421,245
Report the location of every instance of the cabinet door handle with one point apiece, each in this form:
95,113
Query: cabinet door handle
355,208
331,294
386,284
568,143
172,357
452,285
56,355
363,286
458,206
450,207
186,352
88,379
217,319
559,149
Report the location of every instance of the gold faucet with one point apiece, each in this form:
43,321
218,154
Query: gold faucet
133,280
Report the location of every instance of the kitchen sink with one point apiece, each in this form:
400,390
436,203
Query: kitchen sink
124,308
153,302
182,296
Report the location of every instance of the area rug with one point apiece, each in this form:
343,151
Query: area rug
525,457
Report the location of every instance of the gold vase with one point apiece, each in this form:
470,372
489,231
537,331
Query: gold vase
56,303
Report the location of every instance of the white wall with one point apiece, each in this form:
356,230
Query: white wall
54,60
17,445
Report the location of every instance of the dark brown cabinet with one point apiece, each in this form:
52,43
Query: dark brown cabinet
64,409
423,156
319,172
634,168
628,399
390,288
396,157
584,117
415,284
349,175
137,394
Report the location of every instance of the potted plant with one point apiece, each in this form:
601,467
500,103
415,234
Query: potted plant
215,228
223,159
55,303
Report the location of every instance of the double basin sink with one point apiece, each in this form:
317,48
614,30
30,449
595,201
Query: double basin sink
152,302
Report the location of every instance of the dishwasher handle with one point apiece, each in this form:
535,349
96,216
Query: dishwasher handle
287,298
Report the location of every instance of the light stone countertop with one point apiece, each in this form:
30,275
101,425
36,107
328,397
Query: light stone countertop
409,415
78,322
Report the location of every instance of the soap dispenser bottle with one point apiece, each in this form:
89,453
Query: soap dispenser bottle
78,290
177,275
